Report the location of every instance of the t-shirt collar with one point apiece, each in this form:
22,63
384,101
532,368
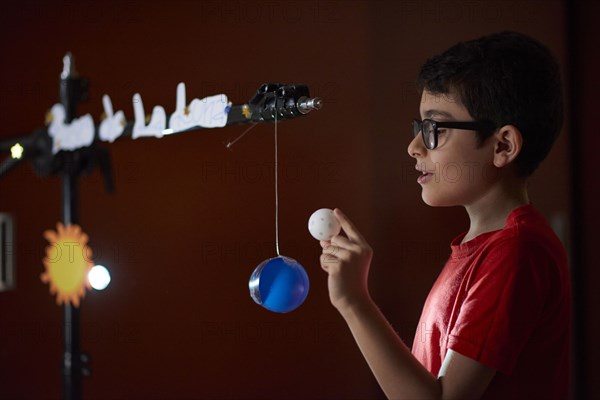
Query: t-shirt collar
464,249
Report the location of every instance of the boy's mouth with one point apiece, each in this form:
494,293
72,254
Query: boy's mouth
423,171
425,175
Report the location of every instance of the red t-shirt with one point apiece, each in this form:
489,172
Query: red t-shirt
504,300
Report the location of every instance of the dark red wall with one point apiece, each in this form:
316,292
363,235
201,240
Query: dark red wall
585,64
190,219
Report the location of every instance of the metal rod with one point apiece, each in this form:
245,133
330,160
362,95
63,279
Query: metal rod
71,372
238,114
71,91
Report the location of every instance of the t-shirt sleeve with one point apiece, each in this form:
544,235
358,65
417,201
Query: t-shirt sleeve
503,304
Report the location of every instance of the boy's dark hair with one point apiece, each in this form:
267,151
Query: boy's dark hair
508,79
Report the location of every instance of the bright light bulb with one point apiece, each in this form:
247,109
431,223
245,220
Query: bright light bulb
17,151
99,277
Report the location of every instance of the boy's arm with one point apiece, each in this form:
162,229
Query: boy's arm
399,373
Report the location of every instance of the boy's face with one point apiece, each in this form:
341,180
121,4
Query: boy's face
459,171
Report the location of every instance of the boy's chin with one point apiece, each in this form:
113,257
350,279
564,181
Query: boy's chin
437,201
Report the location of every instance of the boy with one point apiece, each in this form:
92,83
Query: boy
496,323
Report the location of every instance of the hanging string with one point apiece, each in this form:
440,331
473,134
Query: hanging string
228,145
276,189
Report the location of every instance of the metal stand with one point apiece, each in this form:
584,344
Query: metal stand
271,102
71,92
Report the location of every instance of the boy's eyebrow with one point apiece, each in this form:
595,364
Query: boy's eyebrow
433,113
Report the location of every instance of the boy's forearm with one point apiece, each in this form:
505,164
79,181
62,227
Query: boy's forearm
399,373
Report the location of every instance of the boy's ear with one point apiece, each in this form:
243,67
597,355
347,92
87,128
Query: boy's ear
509,143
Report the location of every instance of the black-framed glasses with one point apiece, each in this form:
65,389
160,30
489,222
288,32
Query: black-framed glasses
429,129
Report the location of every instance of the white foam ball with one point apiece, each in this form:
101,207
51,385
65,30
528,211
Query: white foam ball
323,225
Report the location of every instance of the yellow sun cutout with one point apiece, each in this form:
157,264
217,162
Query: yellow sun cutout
68,261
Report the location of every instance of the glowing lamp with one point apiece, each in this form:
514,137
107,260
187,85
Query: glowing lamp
99,277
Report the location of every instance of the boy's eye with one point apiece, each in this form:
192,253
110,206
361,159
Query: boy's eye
441,131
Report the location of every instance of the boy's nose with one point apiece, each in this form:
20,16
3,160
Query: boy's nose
416,148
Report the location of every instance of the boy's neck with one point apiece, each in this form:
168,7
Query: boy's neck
489,213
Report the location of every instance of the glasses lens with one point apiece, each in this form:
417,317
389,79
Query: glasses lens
416,125
429,134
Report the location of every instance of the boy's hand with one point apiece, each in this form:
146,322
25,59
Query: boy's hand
347,261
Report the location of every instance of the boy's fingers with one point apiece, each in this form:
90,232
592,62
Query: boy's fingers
348,227
342,241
